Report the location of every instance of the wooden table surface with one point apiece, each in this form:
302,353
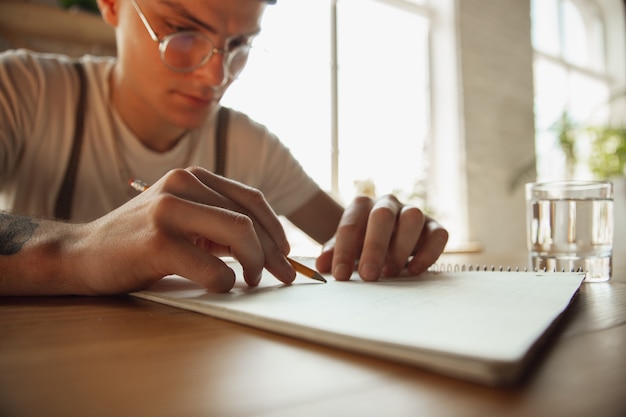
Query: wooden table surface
121,356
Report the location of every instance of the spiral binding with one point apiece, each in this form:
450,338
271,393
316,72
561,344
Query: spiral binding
443,267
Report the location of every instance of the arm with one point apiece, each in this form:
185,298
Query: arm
319,217
181,225
384,236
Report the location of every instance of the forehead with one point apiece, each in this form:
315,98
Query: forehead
226,16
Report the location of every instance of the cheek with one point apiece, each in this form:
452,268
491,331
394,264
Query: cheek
149,75
140,53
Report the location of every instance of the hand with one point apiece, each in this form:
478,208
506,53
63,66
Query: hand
181,225
384,237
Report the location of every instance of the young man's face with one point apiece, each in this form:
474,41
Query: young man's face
184,98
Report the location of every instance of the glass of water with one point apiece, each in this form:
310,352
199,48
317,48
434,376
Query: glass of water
570,227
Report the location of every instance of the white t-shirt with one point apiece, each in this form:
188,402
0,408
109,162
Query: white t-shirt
38,100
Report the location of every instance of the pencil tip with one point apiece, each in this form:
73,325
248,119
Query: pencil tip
318,277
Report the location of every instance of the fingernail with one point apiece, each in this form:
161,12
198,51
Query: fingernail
288,272
253,281
286,248
257,279
369,272
342,272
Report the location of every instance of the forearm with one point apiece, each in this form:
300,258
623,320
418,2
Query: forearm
155,234
35,255
319,217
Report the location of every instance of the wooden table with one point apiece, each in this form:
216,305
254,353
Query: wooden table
121,356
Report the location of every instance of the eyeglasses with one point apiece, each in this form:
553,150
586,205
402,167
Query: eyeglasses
186,51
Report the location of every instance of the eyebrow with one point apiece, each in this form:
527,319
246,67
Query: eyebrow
185,14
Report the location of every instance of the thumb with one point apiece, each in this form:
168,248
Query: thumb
324,261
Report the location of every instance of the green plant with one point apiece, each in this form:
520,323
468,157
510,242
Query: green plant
605,156
608,151
87,5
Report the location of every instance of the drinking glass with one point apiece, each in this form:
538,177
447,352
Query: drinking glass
570,227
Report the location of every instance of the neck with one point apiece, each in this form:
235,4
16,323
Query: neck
154,132
161,141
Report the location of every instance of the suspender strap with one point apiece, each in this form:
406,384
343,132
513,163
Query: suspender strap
65,197
220,141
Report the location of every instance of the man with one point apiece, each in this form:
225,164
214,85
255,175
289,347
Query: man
148,114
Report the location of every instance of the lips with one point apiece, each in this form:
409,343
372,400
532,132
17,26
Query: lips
197,100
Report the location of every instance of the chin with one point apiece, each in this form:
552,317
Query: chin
192,120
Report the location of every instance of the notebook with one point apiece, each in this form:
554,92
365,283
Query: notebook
482,326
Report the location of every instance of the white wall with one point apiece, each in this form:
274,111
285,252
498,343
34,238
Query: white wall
496,94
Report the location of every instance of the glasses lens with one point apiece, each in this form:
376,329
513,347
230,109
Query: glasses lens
186,50
237,59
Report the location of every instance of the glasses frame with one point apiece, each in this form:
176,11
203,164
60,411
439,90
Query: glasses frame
164,42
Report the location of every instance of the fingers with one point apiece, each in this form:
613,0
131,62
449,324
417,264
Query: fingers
206,188
431,244
249,199
386,231
324,262
384,237
349,237
199,266
150,237
409,228
184,221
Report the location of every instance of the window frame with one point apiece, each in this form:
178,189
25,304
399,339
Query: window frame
607,74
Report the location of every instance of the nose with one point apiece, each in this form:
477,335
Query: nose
214,70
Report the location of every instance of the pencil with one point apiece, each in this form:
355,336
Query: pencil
303,269
306,271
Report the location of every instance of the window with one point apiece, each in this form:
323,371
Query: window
347,86
286,84
572,79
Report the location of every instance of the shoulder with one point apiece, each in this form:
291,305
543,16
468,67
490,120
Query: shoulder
23,58
31,79
32,87
24,68
243,130
22,65
99,66
97,74
243,123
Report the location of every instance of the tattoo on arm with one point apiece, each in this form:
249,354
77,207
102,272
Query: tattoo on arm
14,232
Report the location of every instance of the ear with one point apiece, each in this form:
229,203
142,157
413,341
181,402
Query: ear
109,11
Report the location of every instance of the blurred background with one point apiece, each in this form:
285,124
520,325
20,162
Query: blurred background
450,104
